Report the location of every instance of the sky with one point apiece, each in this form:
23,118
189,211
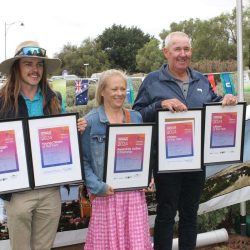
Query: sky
55,23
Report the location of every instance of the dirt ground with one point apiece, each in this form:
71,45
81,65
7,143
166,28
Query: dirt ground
236,242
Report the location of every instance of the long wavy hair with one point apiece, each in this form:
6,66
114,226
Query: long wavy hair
10,92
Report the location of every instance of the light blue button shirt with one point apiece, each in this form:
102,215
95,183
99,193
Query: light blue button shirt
35,106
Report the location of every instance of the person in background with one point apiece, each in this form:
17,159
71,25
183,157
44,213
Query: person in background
176,87
32,216
119,219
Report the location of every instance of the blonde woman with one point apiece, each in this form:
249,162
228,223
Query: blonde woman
119,219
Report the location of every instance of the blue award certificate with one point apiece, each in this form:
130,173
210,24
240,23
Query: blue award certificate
179,139
8,152
129,152
55,146
223,129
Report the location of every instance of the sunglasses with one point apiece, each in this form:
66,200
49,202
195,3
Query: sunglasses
31,51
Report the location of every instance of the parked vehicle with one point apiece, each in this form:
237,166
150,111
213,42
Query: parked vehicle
65,77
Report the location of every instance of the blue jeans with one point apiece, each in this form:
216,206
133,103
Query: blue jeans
177,191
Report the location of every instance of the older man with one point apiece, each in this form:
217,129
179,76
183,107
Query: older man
175,86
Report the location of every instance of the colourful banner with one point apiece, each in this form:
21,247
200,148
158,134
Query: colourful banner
227,83
212,81
60,86
130,91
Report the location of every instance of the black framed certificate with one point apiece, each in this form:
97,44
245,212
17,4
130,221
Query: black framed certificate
14,172
224,134
127,156
180,141
55,150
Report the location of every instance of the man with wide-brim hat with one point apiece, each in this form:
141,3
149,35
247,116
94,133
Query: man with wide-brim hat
32,216
30,49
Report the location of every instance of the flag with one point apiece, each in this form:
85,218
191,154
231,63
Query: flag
227,83
78,86
211,79
81,91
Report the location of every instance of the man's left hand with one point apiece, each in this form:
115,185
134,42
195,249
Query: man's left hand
229,99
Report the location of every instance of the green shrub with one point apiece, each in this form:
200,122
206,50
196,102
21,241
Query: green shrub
91,91
210,221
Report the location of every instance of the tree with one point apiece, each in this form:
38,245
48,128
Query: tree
74,58
211,39
66,56
150,57
121,45
220,39
187,26
123,48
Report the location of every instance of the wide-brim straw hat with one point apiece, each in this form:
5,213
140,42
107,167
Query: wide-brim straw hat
51,64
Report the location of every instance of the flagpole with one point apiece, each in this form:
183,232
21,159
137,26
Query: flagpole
239,50
240,93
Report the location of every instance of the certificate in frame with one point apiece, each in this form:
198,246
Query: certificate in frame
14,170
55,150
224,134
180,141
127,156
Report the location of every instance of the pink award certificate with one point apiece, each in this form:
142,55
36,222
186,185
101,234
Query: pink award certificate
8,152
55,146
179,139
129,152
223,129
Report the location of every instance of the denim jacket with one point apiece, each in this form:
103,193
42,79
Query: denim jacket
159,85
93,144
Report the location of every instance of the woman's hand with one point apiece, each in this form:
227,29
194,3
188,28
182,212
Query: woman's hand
81,125
151,186
109,191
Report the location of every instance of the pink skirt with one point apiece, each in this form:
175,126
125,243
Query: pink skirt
119,222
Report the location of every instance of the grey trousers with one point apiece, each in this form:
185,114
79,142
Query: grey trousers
32,218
